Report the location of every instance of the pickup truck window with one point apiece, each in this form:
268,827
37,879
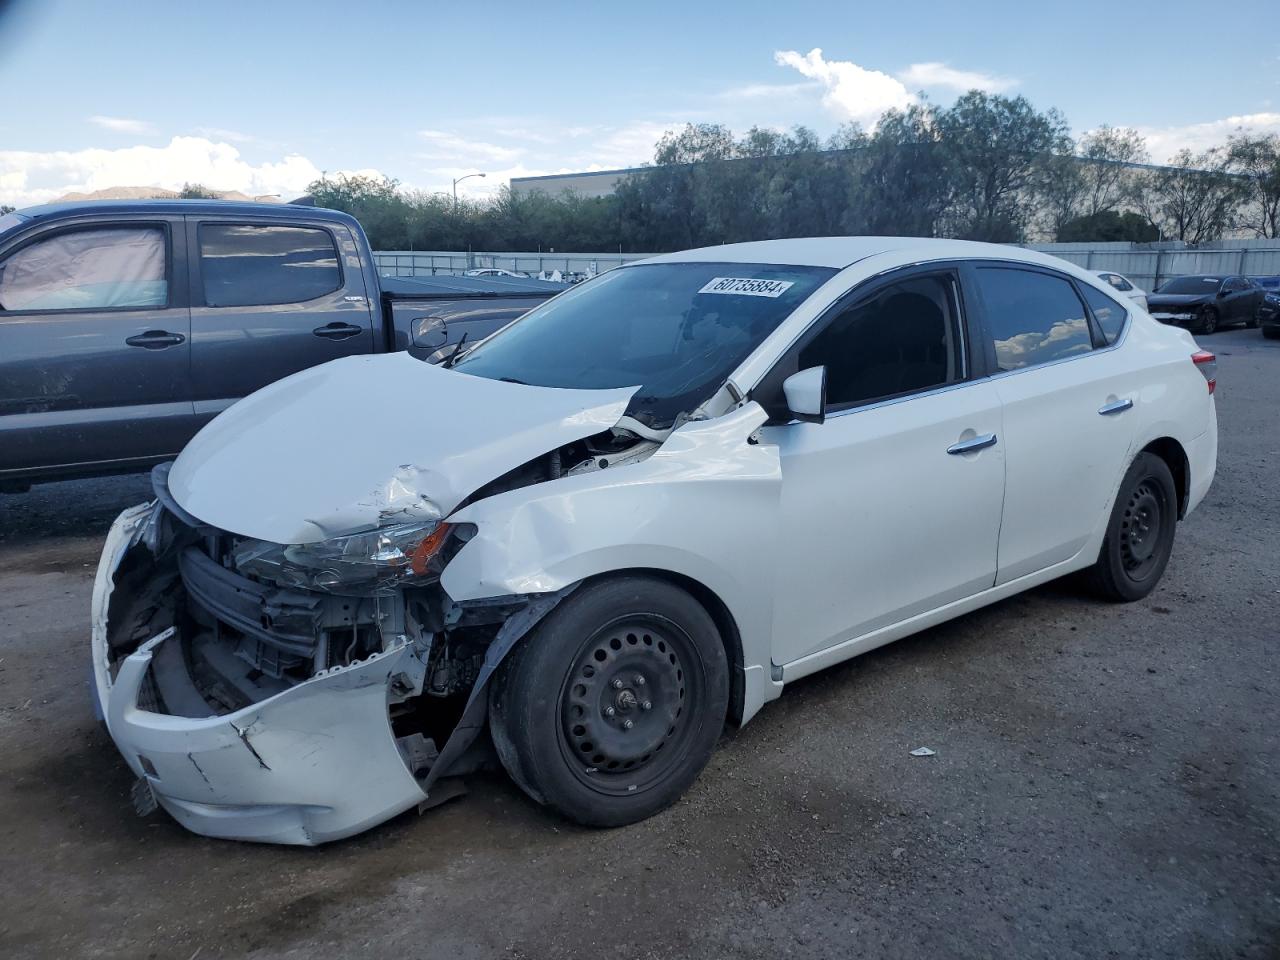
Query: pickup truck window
246,265
100,268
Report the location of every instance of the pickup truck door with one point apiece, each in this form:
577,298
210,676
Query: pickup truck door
94,346
270,299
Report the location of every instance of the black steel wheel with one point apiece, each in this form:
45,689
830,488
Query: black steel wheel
1208,320
611,707
1139,538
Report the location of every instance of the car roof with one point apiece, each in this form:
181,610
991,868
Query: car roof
840,252
221,207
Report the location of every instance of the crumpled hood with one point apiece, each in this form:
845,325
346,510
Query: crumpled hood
366,441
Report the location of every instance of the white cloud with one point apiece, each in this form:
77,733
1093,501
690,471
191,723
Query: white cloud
1164,142
851,92
770,91
29,177
920,75
123,124
444,145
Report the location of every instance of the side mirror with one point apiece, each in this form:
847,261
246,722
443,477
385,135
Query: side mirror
1223,292
429,332
806,394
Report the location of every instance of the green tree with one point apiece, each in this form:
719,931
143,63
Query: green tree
1107,226
1194,198
998,148
196,191
903,178
1256,160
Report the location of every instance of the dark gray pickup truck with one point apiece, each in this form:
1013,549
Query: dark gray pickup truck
126,326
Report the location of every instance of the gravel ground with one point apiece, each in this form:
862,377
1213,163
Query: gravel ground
1106,784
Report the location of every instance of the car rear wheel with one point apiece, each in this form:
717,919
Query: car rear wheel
610,708
1208,321
1140,532
1252,322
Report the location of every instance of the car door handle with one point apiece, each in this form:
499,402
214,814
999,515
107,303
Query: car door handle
1115,406
973,444
155,340
338,331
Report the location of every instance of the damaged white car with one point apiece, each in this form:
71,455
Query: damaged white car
635,513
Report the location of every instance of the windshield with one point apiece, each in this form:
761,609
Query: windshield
1192,285
676,330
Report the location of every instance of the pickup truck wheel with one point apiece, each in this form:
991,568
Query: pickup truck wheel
1140,532
610,708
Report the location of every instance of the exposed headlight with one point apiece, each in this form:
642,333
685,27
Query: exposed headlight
1273,297
374,562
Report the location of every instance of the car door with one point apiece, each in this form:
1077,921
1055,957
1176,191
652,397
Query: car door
270,299
1068,396
891,505
94,346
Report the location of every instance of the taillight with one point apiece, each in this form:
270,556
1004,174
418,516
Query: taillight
1207,364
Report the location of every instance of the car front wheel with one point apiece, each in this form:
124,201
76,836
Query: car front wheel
1208,321
612,705
1140,532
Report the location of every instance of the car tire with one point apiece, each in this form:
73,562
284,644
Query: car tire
1208,321
1252,322
1271,333
610,708
1140,531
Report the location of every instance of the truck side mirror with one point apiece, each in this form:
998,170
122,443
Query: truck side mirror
806,394
429,332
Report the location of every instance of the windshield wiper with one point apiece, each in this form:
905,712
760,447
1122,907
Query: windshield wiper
457,352
513,380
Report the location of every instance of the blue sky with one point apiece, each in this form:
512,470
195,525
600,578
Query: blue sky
261,96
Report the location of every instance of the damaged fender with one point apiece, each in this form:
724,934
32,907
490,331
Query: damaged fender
680,511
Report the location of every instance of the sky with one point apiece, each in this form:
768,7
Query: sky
264,97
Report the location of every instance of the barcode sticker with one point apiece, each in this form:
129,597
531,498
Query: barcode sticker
747,286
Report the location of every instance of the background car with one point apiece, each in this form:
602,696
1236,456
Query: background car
1123,285
1205,302
1269,315
494,272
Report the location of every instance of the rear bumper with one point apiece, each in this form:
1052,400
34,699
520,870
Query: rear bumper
314,763
1202,460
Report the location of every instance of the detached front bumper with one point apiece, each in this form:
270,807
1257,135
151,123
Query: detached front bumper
314,763
1181,318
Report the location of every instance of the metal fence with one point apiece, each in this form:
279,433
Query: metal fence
1151,264
423,263
1146,264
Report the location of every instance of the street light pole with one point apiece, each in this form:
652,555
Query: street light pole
455,188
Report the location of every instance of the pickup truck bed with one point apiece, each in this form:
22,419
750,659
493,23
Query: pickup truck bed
125,326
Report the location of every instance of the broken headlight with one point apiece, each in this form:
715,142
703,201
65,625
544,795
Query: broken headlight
374,562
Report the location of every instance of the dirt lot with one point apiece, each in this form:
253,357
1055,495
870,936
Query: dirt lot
1107,783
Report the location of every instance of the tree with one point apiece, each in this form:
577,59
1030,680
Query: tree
1193,199
998,147
196,191
375,202
904,180
1107,226
1256,159
5,208
1107,157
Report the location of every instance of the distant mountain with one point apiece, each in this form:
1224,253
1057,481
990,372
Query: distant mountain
156,193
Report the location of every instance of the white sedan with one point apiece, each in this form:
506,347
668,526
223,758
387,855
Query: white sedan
1124,286
635,514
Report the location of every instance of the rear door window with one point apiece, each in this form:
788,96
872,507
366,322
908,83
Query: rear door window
244,265
1109,314
1032,317
101,268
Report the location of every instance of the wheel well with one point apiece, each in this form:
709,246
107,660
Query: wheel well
720,615
1170,451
